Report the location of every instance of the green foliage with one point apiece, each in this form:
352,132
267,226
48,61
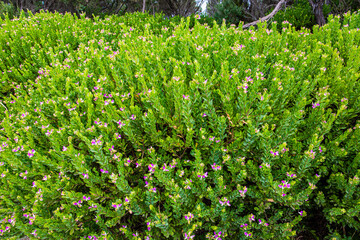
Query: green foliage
339,7
202,19
7,9
299,14
140,127
228,10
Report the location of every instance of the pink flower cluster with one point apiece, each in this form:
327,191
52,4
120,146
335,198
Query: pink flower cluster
216,167
164,168
203,176
78,203
152,168
95,142
117,206
286,185
274,153
242,192
24,174
189,216
225,202
189,236
31,153
120,124
217,236
314,105
291,175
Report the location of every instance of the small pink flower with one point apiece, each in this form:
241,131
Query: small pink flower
86,198
186,97
188,217
203,176
187,236
274,153
314,105
31,153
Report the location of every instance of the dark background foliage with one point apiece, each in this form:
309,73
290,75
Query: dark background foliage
300,13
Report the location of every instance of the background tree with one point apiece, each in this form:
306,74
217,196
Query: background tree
233,11
211,7
239,10
228,10
180,7
102,7
298,13
251,10
317,7
339,7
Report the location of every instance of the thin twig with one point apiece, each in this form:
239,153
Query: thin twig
353,235
277,8
184,152
3,105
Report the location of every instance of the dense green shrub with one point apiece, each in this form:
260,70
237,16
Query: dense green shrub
7,9
338,7
300,15
118,130
229,10
69,37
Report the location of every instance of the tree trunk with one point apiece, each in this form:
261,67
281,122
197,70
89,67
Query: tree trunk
318,11
143,9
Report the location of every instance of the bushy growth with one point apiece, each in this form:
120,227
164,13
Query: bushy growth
7,9
300,15
124,128
229,10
